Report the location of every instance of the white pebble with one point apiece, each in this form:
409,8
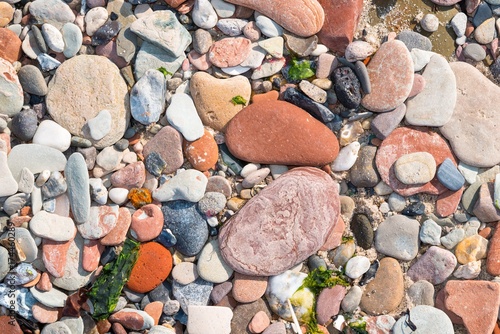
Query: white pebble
346,158
118,195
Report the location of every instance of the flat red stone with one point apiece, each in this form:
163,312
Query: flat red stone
406,140
476,302
230,51
202,153
152,267
10,45
92,250
447,202
118,234
147,223
54,256
341,19
493,259
278,132
9,325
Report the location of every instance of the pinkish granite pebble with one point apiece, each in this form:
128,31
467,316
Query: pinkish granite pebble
435,266
131,176
168,144
92,250
147,223
229,52
328,303
118,234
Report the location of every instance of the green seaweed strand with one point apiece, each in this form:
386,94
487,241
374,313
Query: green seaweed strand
108,286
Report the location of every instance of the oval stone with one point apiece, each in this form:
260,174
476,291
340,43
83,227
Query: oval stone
79,91
290,220
296,138
415,168
391,77
229,51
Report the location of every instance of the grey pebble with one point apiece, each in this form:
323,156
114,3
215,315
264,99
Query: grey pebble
26,181
352,299
32,80
421,293
14,203
196,293
362,74
24,124
212,203
430,233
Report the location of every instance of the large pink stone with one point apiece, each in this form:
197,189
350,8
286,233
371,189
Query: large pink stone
283,225
409,140
391,77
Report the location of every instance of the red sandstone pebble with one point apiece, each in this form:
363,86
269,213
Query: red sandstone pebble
92,250
118,329
118,234
103,326
247,289
493,258
259,322
10,45
418,85
476,302
152,267
54,256
131,176
230,51
9,325
328,303
272,95
154,309
44,314
486,233
147,223
202,153
44,283
447,202
201,62
341,21
407,140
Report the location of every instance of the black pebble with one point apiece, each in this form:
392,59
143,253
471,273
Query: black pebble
347,87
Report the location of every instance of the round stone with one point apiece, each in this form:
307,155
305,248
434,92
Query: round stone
79,91
415,168
152,267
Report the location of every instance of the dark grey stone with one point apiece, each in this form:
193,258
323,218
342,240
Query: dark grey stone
78,187
347,87
413,40
121,145
317,110
449,175
362,74
364,172
362,230
89,155
161,293
315,262
483,12
106,32
187,225
32,81
155,164
40,41
24,124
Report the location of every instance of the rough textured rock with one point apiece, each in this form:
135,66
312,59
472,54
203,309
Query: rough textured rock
466,299
341,20
385,292
408,140
153,266
306,202
212,98
304,22
493,259
475,109
297,138
78,92
391,77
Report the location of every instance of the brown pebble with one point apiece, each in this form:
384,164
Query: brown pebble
44,284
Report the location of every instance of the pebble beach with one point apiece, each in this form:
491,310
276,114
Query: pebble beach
249,166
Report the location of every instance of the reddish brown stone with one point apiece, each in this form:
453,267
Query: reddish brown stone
54,256
202,153
484,209
328,303
103,326
247,289
391,77
341,19
272,95
493,258
75,302
243,12
9,325
168,144
440,305
277,132
259,322
292,218
118,328
152,267
118,234
185,7
10,45
485,232
44,314
131,176
406,140
147,223
386,291
448,201
476,302
174,3
92,250
301,17
335,237
154,309
230,51
109,51
44,283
